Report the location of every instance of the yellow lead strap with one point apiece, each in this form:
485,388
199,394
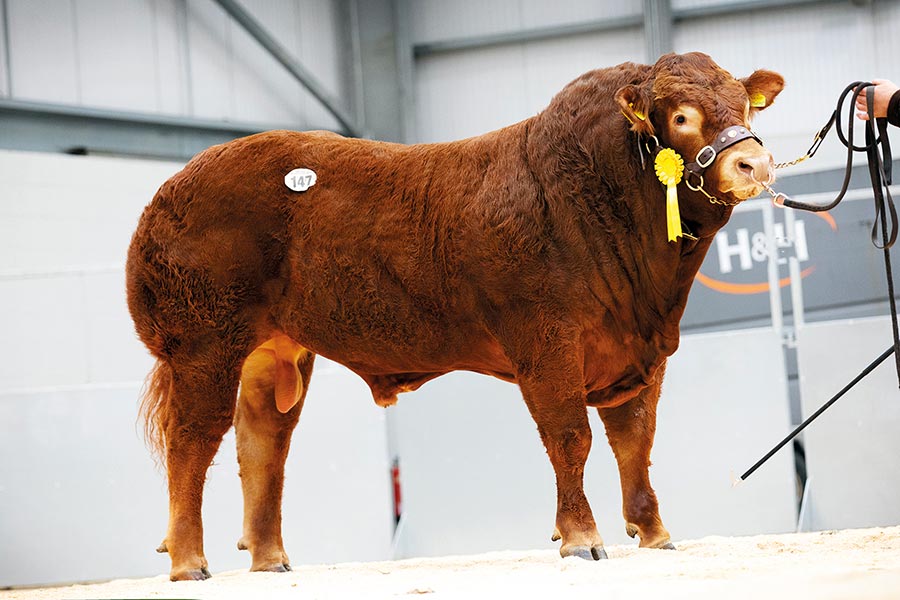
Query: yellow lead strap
669,168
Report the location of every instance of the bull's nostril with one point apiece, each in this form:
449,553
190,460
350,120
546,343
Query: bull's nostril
745,167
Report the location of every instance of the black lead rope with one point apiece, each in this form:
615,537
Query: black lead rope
880,164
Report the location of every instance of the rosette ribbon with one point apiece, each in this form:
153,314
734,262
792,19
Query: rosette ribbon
669,168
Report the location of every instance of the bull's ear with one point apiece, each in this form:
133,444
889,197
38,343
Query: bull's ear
636,108
762,88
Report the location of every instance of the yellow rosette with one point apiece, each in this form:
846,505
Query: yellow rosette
669,168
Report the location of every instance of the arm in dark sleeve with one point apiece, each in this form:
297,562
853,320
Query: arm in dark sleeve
893,111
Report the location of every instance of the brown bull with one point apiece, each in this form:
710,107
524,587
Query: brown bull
537,254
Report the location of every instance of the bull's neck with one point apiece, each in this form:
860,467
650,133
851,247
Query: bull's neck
597,179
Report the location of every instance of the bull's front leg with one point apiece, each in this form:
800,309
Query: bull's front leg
630,429
555,396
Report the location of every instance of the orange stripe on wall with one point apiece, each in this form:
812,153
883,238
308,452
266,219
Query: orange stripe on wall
745,288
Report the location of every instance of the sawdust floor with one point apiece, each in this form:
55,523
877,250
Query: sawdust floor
862,563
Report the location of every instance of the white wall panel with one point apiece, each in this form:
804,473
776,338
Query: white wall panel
66,212
87,498
117,54
43,333
65,226
110,345
853,449
43,50
70,373
476,478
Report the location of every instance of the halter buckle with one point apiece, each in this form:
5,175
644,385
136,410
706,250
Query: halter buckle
711,156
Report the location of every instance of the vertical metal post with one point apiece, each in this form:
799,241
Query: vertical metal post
358,81
4,15
790,224
775,307
405,69
657,28
184,47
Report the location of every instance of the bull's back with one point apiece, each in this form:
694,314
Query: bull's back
370,255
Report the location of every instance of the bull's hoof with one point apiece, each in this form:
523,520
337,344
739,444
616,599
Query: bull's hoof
585,552
190,575
272,568
668,546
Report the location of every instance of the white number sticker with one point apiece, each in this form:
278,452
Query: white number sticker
300,180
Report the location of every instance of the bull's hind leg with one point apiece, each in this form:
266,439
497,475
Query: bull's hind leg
630,429
557,404
274,381
200,410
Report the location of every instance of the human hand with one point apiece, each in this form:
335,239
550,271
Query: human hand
884,89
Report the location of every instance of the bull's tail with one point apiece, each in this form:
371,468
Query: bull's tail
154,409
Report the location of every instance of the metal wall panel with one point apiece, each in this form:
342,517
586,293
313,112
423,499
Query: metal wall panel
682,4
460,94
435,20
469,93
263,90
210,53
171,66
852,450
43,50
116,49
887,42
540,13
431,20
476,478
176,57
325,53
551,64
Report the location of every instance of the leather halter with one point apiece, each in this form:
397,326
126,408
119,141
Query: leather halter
707,155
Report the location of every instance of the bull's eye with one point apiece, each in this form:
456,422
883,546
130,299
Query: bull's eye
680,120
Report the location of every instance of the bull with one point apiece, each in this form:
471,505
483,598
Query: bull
546,253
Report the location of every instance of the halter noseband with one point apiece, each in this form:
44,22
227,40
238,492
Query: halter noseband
707,155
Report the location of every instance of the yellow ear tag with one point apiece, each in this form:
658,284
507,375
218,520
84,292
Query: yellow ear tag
669,168
757,100
636,112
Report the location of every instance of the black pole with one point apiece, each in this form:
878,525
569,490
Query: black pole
824,407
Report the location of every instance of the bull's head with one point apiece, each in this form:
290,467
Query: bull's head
697,108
